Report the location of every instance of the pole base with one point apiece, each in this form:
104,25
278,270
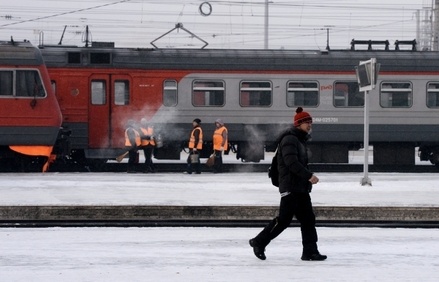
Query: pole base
366,181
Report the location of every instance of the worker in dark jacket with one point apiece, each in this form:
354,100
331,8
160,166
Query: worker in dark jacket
132,143
295,183
147,144
195,146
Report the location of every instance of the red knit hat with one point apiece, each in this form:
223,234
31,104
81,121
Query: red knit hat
301,117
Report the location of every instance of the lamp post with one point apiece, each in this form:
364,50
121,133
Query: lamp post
367,74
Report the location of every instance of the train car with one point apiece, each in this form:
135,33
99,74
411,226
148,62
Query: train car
30,118
255,92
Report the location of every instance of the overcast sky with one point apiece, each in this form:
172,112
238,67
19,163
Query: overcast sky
225,24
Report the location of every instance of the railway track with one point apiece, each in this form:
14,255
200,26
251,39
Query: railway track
210,216
251,167
209,223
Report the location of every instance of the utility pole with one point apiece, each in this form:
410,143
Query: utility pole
86,38
327,39
266,25
436,26
327,27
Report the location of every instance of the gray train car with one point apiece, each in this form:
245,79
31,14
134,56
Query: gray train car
255,92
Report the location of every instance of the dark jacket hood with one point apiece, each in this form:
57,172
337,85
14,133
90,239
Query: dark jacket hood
300,134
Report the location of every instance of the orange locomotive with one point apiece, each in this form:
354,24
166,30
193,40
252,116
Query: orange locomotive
30,118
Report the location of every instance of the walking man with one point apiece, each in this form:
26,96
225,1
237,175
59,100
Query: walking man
295,184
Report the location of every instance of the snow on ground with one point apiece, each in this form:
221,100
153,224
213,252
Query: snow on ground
213,254
334,189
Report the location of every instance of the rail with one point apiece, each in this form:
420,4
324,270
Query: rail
210,216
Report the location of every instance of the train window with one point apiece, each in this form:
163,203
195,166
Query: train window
74,57
121,92
170,93
433,95
347,94
100,58
98,90
6,83
302,93
255,93
396,94
208,93
29,84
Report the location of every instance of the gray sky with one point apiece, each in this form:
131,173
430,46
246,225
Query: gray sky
231,24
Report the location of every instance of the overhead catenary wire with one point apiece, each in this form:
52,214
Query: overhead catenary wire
240,23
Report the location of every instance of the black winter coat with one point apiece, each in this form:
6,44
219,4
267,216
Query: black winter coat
292,158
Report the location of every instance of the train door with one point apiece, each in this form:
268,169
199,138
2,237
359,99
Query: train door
109,96
99,112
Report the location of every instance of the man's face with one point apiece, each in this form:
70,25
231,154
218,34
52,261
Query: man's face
306,126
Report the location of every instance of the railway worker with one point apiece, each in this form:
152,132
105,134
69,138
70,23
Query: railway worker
295,184
195,145
220,144
132,143
147,143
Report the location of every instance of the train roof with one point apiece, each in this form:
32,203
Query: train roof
238,59
19,53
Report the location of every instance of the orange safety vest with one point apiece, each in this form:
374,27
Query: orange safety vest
127,140
147,131
218,140
192,139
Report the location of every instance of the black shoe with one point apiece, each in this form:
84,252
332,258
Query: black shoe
259,252
316,256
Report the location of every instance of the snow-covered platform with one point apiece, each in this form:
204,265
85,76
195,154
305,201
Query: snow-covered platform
212,254
207,189
230,196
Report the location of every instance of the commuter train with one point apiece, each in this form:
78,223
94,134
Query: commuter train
255,92
30,117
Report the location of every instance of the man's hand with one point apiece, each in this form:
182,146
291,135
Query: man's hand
314,179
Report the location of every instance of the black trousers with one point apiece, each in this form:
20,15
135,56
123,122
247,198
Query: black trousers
294,204
218,164
147,151
133,159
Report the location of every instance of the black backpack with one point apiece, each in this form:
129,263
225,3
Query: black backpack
273,171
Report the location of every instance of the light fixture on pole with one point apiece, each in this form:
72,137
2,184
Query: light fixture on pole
367,75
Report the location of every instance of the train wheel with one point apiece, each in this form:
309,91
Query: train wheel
97,165
434,158
23,163
250,152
